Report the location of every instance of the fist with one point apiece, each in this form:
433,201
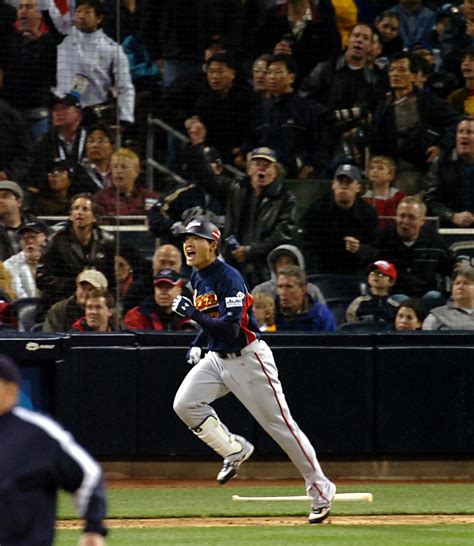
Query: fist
193,356
183,306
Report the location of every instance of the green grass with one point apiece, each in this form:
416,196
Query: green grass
446,535
216,501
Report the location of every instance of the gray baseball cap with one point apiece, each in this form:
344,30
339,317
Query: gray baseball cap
9,185
348,171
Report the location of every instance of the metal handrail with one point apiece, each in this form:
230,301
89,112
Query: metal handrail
152,164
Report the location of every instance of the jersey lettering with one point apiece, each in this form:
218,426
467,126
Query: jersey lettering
205,301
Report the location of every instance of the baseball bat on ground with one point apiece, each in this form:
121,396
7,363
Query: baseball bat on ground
344,497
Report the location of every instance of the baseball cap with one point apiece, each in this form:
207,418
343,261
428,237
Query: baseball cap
93,277
349,171
204,229
61,165
213,155
33,226
9,185
421,45
68,100
263,153
167,275
9,370
385,267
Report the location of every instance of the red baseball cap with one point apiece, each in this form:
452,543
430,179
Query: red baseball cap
385,267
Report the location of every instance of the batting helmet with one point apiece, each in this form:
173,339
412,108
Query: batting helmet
204,229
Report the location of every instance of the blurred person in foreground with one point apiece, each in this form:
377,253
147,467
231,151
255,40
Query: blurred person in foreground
458,313
38,457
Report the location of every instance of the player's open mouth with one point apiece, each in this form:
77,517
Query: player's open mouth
190,254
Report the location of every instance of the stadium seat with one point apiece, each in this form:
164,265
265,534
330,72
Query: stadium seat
335,286
25,310
464,251
339,290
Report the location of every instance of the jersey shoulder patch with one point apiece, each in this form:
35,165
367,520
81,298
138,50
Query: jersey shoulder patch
234,301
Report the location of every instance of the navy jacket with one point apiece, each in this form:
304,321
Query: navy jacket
38,457
294,127
324,226
316,318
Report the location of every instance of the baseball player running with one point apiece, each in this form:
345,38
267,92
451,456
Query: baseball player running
238,361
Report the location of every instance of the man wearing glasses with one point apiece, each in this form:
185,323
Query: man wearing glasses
411,126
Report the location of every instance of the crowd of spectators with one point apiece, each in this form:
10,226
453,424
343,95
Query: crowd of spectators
372,105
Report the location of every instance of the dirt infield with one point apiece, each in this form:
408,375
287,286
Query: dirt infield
273,521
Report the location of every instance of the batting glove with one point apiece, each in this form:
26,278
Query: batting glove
193,356
183,306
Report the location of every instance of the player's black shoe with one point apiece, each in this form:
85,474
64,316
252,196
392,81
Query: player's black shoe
320,513
231,465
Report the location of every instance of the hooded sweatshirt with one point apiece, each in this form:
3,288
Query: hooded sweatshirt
270,287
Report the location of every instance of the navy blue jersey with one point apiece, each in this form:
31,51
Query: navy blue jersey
219,291
37,457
